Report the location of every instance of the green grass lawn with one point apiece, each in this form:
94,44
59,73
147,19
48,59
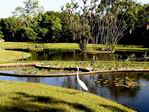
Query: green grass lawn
7,55
65,46
34,46
31,97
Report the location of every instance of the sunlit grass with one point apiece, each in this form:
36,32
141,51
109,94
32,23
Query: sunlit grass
30,97
7,55
65,46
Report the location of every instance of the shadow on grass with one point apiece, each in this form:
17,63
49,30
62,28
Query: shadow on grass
26,109
28,103
113,108
23,102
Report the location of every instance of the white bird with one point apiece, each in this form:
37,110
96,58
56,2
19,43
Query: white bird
81,83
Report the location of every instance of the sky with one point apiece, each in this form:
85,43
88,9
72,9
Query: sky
8,6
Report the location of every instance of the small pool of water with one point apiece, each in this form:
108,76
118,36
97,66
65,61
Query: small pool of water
136,97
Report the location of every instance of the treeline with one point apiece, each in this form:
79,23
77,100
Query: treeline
46,27
89,26
139,34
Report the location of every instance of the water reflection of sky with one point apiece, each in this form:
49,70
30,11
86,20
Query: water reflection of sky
135,97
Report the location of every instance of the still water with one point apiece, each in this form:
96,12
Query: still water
68,56
78,56
104,85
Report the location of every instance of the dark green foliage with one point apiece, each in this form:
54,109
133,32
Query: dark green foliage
42,33
15,29
66,32
49,26
1,35
143,15
9,27
139,18
26,34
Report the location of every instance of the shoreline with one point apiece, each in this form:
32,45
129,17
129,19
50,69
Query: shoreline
63,74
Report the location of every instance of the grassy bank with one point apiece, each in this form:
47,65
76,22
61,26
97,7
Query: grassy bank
64,46
29,97
100,65
6,55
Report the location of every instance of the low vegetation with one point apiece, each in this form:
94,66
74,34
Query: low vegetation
30,97
100,65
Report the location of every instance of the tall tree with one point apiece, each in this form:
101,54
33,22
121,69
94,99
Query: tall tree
108,20
144,22
143,15
9,27
49,26
28,12
31,8
25,34
1,35
78,22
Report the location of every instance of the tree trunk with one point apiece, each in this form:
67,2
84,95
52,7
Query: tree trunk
83,43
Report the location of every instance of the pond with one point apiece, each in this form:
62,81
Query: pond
78,56
68,56
107,85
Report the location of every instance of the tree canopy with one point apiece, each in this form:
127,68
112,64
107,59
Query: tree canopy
31,8
106,22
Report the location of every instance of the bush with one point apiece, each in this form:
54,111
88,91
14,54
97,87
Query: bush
26,34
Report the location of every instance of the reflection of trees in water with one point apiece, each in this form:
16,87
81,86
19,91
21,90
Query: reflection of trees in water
109,80
119,91
85,79
69,82
57,55
144,76
29,79
106,88
91,84
41,55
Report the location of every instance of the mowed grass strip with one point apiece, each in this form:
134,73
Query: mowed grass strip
32,97
32,46
65,46
7,55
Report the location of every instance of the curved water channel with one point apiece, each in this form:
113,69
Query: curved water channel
104,85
